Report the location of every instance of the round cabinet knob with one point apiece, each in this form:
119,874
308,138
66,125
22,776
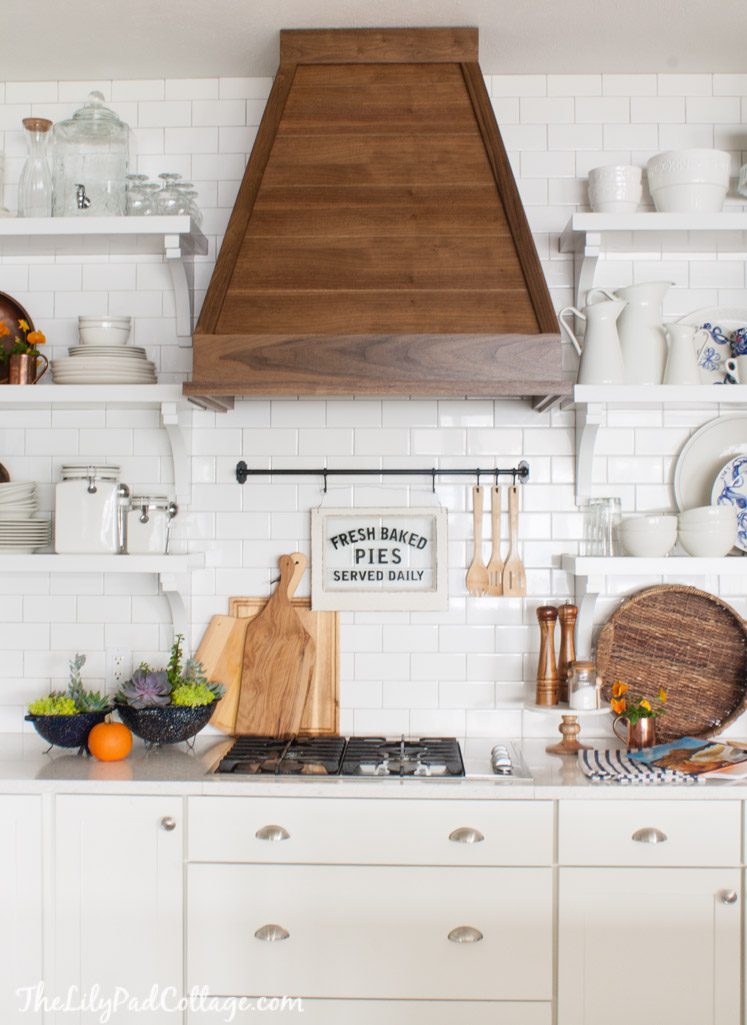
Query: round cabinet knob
272,833
272,933
465,934
168,823
649,835
729,897
465,834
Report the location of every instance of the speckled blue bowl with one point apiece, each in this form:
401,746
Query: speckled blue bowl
169,724
66,730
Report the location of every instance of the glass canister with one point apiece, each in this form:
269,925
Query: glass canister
582,686
148,521
91,151
89,514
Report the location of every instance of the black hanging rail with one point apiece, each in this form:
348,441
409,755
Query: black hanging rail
517,473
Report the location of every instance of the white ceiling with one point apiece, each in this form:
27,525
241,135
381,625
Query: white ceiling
106,39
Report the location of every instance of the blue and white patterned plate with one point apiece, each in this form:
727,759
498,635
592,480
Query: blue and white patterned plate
720,322
730,488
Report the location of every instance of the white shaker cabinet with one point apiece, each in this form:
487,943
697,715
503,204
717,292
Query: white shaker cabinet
20,907
118,900
643,934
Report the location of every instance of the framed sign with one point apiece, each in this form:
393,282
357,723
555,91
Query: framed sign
378,559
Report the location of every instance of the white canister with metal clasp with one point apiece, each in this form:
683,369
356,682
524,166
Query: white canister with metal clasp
148,520
88,510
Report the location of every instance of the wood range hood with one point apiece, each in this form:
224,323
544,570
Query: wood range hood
378,245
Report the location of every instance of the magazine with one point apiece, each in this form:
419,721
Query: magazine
695,757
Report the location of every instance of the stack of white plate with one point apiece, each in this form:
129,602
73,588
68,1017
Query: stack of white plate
104,364
19,532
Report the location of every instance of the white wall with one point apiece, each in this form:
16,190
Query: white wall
467,671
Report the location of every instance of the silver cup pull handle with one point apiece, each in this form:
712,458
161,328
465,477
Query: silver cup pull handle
271,933
729,897
465,934
649,835
272,833
466,834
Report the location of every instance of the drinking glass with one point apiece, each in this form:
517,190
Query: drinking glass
169,199
602,527
139,199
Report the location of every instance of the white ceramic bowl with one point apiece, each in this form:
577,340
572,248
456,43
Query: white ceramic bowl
615,189
104,334
689,179
648,537
703,515
99,321
713,535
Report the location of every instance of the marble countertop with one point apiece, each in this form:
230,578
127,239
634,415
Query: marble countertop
26,767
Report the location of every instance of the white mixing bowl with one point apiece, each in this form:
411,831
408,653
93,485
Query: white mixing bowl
648,537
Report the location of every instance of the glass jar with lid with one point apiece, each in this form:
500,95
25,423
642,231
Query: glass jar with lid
89,510
582,686
148,521
91,151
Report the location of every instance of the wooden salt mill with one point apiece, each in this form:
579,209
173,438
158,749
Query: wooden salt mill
567,614
547,672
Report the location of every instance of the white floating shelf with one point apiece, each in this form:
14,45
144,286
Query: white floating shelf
176,238
172,571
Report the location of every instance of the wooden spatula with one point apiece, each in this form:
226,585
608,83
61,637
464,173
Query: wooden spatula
278,661
514,577
495,566
477,574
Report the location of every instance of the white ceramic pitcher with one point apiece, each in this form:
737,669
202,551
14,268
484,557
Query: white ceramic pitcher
601,358
685,343
642,335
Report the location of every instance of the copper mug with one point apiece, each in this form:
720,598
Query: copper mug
23,368
640,734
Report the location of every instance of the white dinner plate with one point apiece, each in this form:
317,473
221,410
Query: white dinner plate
80,351
730,488
703,456
720,322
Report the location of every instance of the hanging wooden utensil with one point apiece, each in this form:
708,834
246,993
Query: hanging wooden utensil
279,658
514,577
477,574
495,566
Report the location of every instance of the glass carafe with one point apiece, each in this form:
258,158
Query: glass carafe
35,184
90,164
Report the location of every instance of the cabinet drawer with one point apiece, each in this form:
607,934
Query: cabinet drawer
365,831
649,832
370,932
387,1012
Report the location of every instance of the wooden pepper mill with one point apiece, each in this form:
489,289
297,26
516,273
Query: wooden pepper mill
547,671
567,614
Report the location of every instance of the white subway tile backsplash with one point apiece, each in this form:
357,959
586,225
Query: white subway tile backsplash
685,85
629,85
542,110
658,109
713,110
142,89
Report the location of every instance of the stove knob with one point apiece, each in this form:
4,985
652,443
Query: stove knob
465,834
465,934
272,933
272,833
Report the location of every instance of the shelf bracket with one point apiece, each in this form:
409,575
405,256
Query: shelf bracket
182,277
175,586
174,419
586,600
585,268
588,420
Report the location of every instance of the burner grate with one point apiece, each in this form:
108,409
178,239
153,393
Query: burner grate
428,756
304,756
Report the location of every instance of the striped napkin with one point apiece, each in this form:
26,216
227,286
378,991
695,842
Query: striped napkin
618,767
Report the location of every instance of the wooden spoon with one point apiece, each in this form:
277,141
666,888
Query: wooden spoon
514,577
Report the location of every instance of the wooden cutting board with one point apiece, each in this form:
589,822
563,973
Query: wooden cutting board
279,656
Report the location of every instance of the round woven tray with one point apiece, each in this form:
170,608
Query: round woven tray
687,641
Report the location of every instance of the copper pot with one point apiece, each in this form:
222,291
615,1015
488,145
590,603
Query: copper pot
640,734
23,368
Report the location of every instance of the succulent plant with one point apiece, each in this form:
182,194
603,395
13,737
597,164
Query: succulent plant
194,673
192,695
85,700
53,704
146,689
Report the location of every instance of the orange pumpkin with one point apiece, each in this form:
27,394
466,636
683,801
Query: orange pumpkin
110,741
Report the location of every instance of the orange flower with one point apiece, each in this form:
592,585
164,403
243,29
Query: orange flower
619,689
23,325
662,696
4,329
36,338
618,707
646,705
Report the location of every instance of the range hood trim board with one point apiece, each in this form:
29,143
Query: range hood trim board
389,356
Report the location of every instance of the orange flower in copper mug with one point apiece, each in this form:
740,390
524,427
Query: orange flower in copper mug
23,324
4,329
618,706
36,338
619,689
662,696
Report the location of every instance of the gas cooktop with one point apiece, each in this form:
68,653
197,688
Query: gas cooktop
373,758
